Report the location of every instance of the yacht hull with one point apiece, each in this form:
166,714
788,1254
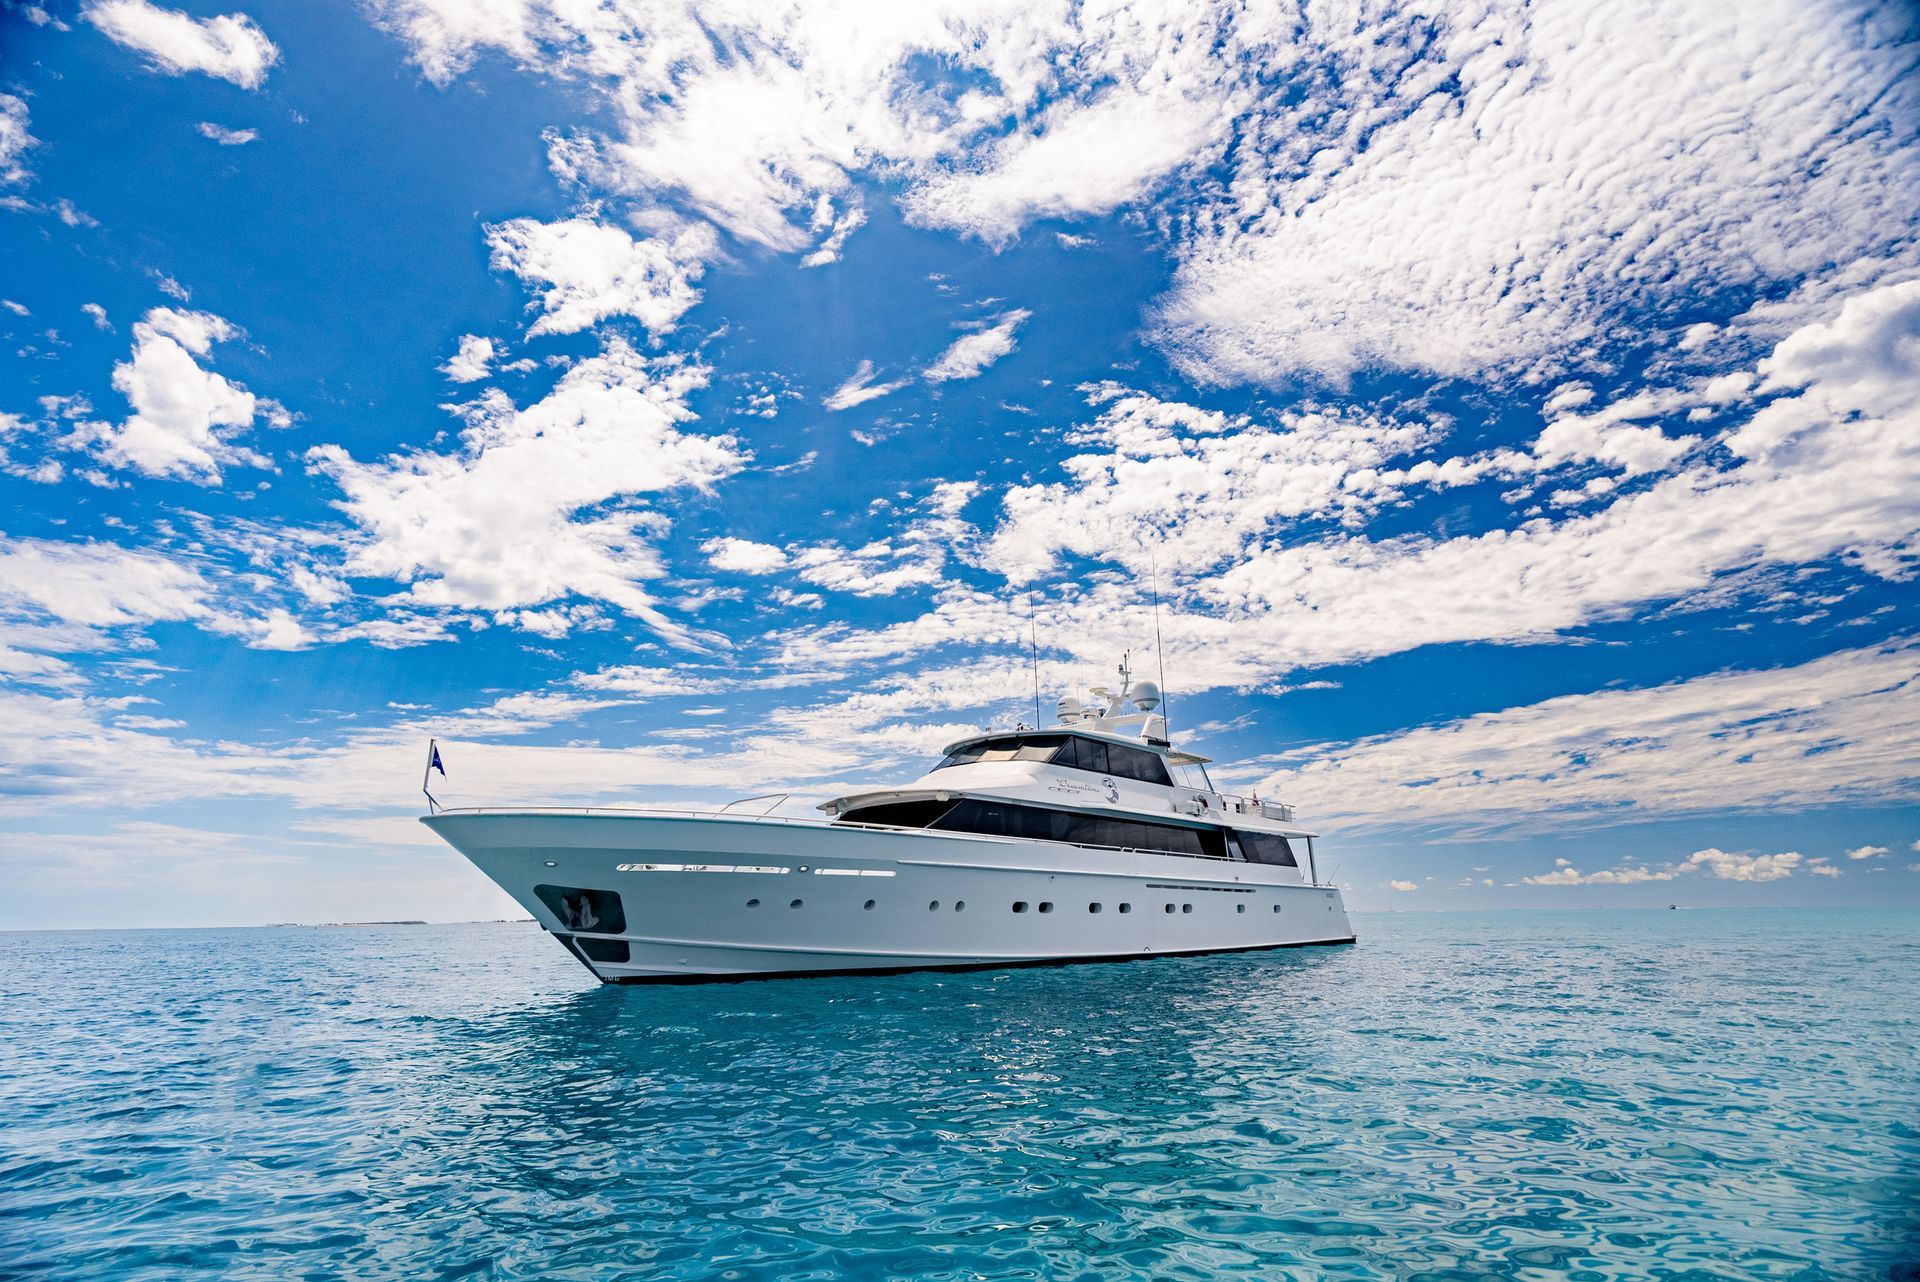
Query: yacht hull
651,898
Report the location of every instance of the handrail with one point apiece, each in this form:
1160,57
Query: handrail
802,821
779,798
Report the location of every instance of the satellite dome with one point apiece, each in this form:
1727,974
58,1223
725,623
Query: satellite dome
1145,695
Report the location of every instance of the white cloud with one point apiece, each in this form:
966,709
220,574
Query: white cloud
1820,869
185,416
542,503
743,556
1839,730
97,314
1713,861
14,138
224,136
591,271
1078,159
96,585
860,389
1620,160
1866,852
1734,867
1190,488
969,355
1825,464
472,362
750,116
833,229
1507,185
1403,885
877,569
228,47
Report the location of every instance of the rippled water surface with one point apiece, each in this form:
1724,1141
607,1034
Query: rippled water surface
1511,1095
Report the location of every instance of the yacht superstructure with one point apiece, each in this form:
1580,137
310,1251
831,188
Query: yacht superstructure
1092,840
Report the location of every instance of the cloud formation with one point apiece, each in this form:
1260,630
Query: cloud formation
1840,730
224,136
227,47
969,355
472,362
14,138
541,504
861,388
185,417
1502,185
1713,861
588,271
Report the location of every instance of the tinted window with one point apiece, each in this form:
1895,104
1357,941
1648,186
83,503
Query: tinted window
1266,848
1136,763
1098,830
1084,754
962,756
998,819
1040,747
898,814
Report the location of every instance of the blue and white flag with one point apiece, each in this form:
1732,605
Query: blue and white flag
433,761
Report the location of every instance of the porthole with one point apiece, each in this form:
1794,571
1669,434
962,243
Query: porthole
1046,906
934,907
869,905
1239,908
794,904
959,905
1276,908
1093,908
1019,905
1126,908
753,903
1169,907
1186,908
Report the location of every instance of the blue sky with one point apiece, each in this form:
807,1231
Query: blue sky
1519,408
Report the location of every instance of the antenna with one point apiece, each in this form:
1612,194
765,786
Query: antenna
1159,651
1034,624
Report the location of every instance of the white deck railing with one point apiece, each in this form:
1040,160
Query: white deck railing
687,812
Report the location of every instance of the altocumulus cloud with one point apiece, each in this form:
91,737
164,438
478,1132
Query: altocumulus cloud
543,503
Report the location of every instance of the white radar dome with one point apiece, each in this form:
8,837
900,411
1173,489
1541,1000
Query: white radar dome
1145,696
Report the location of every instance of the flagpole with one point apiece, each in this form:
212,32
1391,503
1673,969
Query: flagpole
426,776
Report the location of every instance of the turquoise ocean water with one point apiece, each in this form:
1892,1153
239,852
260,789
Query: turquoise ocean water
1679,1095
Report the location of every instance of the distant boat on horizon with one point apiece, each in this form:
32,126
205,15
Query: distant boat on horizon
1093,840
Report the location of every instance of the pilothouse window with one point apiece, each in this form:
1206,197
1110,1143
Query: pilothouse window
1072,751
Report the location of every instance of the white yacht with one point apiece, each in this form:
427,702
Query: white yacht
1094,840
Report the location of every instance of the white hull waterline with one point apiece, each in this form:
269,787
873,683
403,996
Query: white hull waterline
1094,840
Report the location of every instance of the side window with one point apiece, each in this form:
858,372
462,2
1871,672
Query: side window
1040,749
1088,754
1267,848
898,814
1136,763
1191,774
